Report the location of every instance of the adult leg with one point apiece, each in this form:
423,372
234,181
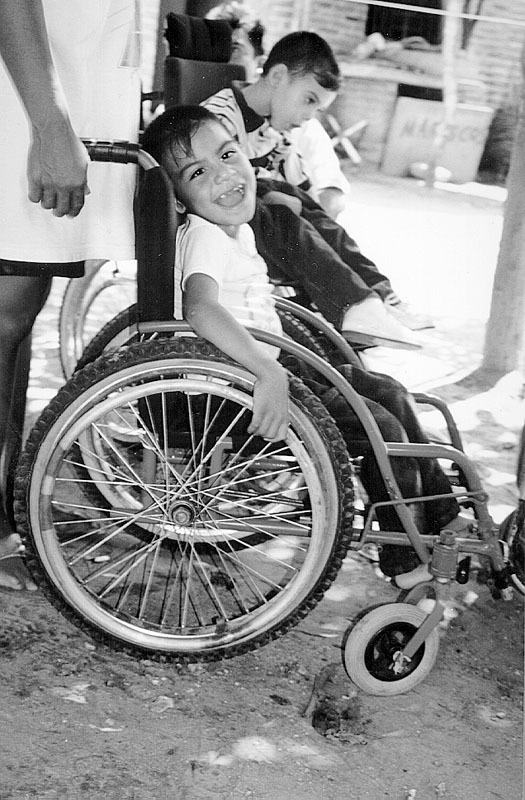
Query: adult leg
21,299
15,429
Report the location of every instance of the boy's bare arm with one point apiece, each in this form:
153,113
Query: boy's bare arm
209,319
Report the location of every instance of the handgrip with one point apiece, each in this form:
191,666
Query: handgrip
117,151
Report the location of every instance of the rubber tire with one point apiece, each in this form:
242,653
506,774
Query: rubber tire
118,332
40,463
360,638
300,333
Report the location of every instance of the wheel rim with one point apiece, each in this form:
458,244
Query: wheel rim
512,532
380,653
200,553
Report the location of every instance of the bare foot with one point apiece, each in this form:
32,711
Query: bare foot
13,572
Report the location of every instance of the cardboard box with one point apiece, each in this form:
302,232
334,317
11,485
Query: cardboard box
413,129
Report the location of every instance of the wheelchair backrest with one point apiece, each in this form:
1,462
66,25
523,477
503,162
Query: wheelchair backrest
156,222
195,69
197,66
190,82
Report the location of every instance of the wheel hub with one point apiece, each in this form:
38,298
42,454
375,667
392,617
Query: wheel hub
182,513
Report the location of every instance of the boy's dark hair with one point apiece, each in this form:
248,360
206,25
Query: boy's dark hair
306,53
255,33
174,129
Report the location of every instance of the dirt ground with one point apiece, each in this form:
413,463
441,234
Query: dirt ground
78,720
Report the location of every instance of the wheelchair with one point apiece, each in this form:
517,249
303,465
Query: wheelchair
154,522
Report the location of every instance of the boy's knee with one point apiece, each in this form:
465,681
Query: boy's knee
375,385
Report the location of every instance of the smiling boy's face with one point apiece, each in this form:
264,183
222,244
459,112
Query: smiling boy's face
215,181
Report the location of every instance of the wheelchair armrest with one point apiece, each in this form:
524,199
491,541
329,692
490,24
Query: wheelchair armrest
436,402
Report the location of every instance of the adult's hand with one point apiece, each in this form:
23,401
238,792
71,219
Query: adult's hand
57,160
57,168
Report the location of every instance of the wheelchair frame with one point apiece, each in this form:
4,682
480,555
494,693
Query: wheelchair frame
39,521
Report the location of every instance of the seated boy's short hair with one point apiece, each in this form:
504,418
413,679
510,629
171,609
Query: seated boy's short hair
241,17
304,53
175,129
255,33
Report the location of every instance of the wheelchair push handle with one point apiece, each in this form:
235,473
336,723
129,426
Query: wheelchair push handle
118,151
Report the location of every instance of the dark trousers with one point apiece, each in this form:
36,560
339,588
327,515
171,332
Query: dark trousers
393,410
313,250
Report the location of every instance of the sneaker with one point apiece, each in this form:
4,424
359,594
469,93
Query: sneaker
369,323
403,313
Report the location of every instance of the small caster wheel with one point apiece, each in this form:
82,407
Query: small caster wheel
370,648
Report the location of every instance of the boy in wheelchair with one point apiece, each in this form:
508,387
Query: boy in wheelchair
225,286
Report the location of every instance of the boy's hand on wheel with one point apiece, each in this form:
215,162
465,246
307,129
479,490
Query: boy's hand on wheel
270,404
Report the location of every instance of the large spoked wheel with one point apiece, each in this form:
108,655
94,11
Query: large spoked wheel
512,532
156,522
89,302
371,647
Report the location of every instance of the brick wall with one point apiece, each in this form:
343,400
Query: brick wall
367,100
497,49
493,55
494,47
341,23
